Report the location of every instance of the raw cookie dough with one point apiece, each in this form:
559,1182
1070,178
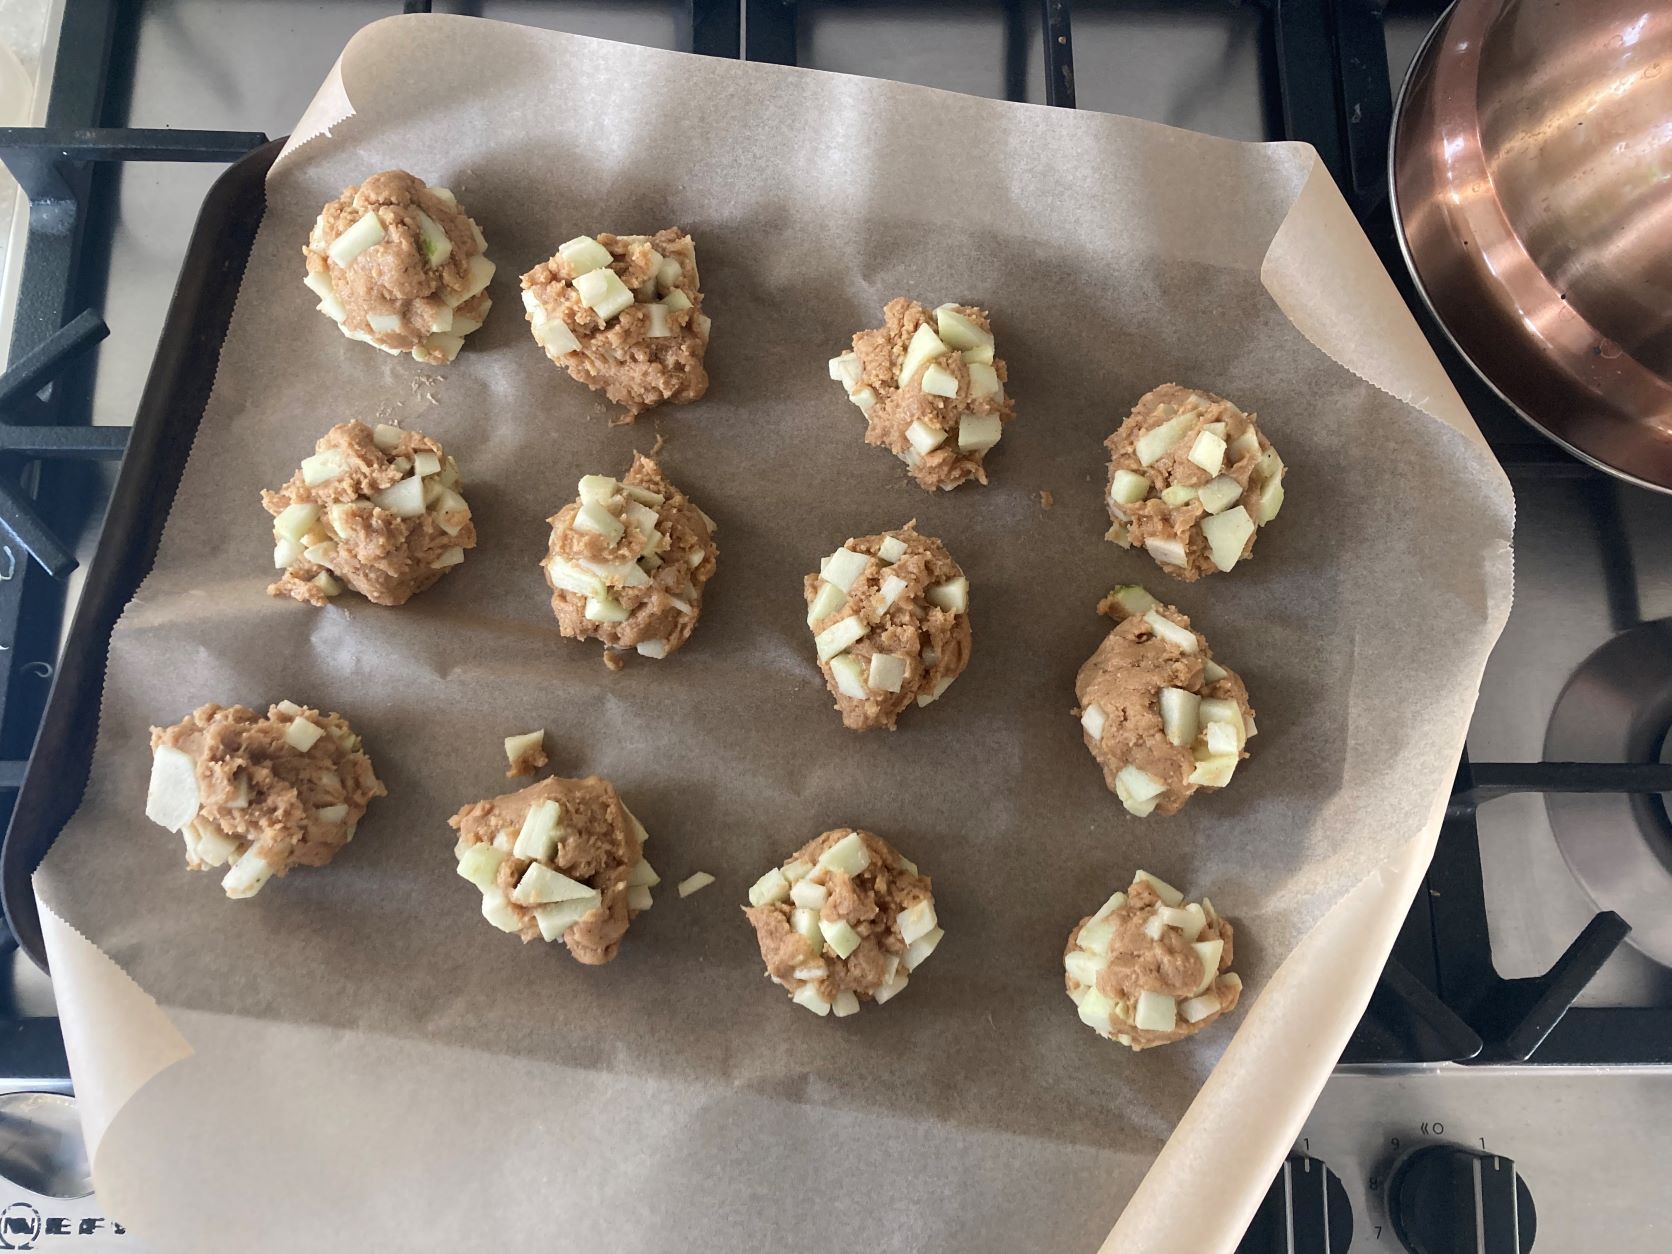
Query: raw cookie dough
623,314
930,388
263,792
377,510
1149,968
628,562
1191,478
845,918
399,265
1161,717
562,857
890,620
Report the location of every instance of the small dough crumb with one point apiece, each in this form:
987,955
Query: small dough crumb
695,883
1046,500
889,615
398,265
623,315
628,561
1161,717
260,794
845,918
526,753
930,388
1191,480
379,511
1150,968
562,857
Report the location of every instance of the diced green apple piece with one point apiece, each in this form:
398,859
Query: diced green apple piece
808,995
558,917
887,673
445,197
979,432
1223,710
553,335
1115,902
326,584
840,936
1132,599
172,797
386,437
1218,495
1097,1011
695,883
849,674
1188,920
540,884
584,254
639,898
623,574
433,240
302,734
1208,452
354,241
425,463
571,578
595,518
919,950
865,398
892,549
1178,494
1181,638
960,331
1214,771
917,920
891,989
319,282
1178,715
1157,442
1155,1012
537,839
889,592
669,273
939,381
1221,740
1212,671
925,346
480,865
924,437
1198,1008
826,601
214,847
660,327
321,467
843,567
1270,465
643,875
953,595
805,922
247,874
676,301
1245,445
846,1003
1209,952
848,855
1132,783
771,887
603,292
808,895
838,636
1271,500
937,692
1167,550
1128,487
604,610
1227,534
296,520
286,553
984,381
846,370
1095,936
405,499
1093,719
517,747
1169,895
1154,926
597,489
1082,966
478,274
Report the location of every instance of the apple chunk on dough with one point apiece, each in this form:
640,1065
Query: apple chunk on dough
172,798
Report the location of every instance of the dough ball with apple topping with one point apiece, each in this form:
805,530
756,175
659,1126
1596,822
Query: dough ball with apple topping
376,510
1150,968
1161,717
628,562
845,919
259,794
560,858
890,620
398,265
623,314
930,388
1191,479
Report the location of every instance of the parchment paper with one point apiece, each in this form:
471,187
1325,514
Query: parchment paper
354,1060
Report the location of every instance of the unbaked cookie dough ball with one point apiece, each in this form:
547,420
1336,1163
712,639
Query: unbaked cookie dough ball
890,620
930,388
1191,479
1161,717
845,919
378,510
623,314
261,792
1150,968
628,562
562,857
398,265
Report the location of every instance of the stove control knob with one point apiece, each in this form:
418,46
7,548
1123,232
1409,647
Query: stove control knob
1306,1211
1444,1199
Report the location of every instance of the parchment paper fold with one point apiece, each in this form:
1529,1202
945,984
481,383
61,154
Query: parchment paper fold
355,1060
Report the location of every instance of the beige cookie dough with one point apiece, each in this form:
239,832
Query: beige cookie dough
628,561
262,793
845,919
1191,480
379,511
930,388
1161,717
623,314
398,265
890,620
1150,968
560,858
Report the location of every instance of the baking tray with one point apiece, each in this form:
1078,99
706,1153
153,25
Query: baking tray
164,428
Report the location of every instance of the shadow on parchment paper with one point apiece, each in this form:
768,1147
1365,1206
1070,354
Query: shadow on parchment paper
993,997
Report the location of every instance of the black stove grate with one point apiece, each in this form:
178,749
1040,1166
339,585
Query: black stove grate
1326,81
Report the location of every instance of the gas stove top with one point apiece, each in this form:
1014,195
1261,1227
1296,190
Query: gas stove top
1519,1039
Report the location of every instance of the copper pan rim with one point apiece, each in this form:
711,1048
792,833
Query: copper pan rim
1552,378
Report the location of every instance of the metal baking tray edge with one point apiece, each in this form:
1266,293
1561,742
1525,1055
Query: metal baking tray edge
164,429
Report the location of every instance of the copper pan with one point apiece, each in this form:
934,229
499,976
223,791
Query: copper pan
1531,174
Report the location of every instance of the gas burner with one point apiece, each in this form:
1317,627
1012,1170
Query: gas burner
1617,707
